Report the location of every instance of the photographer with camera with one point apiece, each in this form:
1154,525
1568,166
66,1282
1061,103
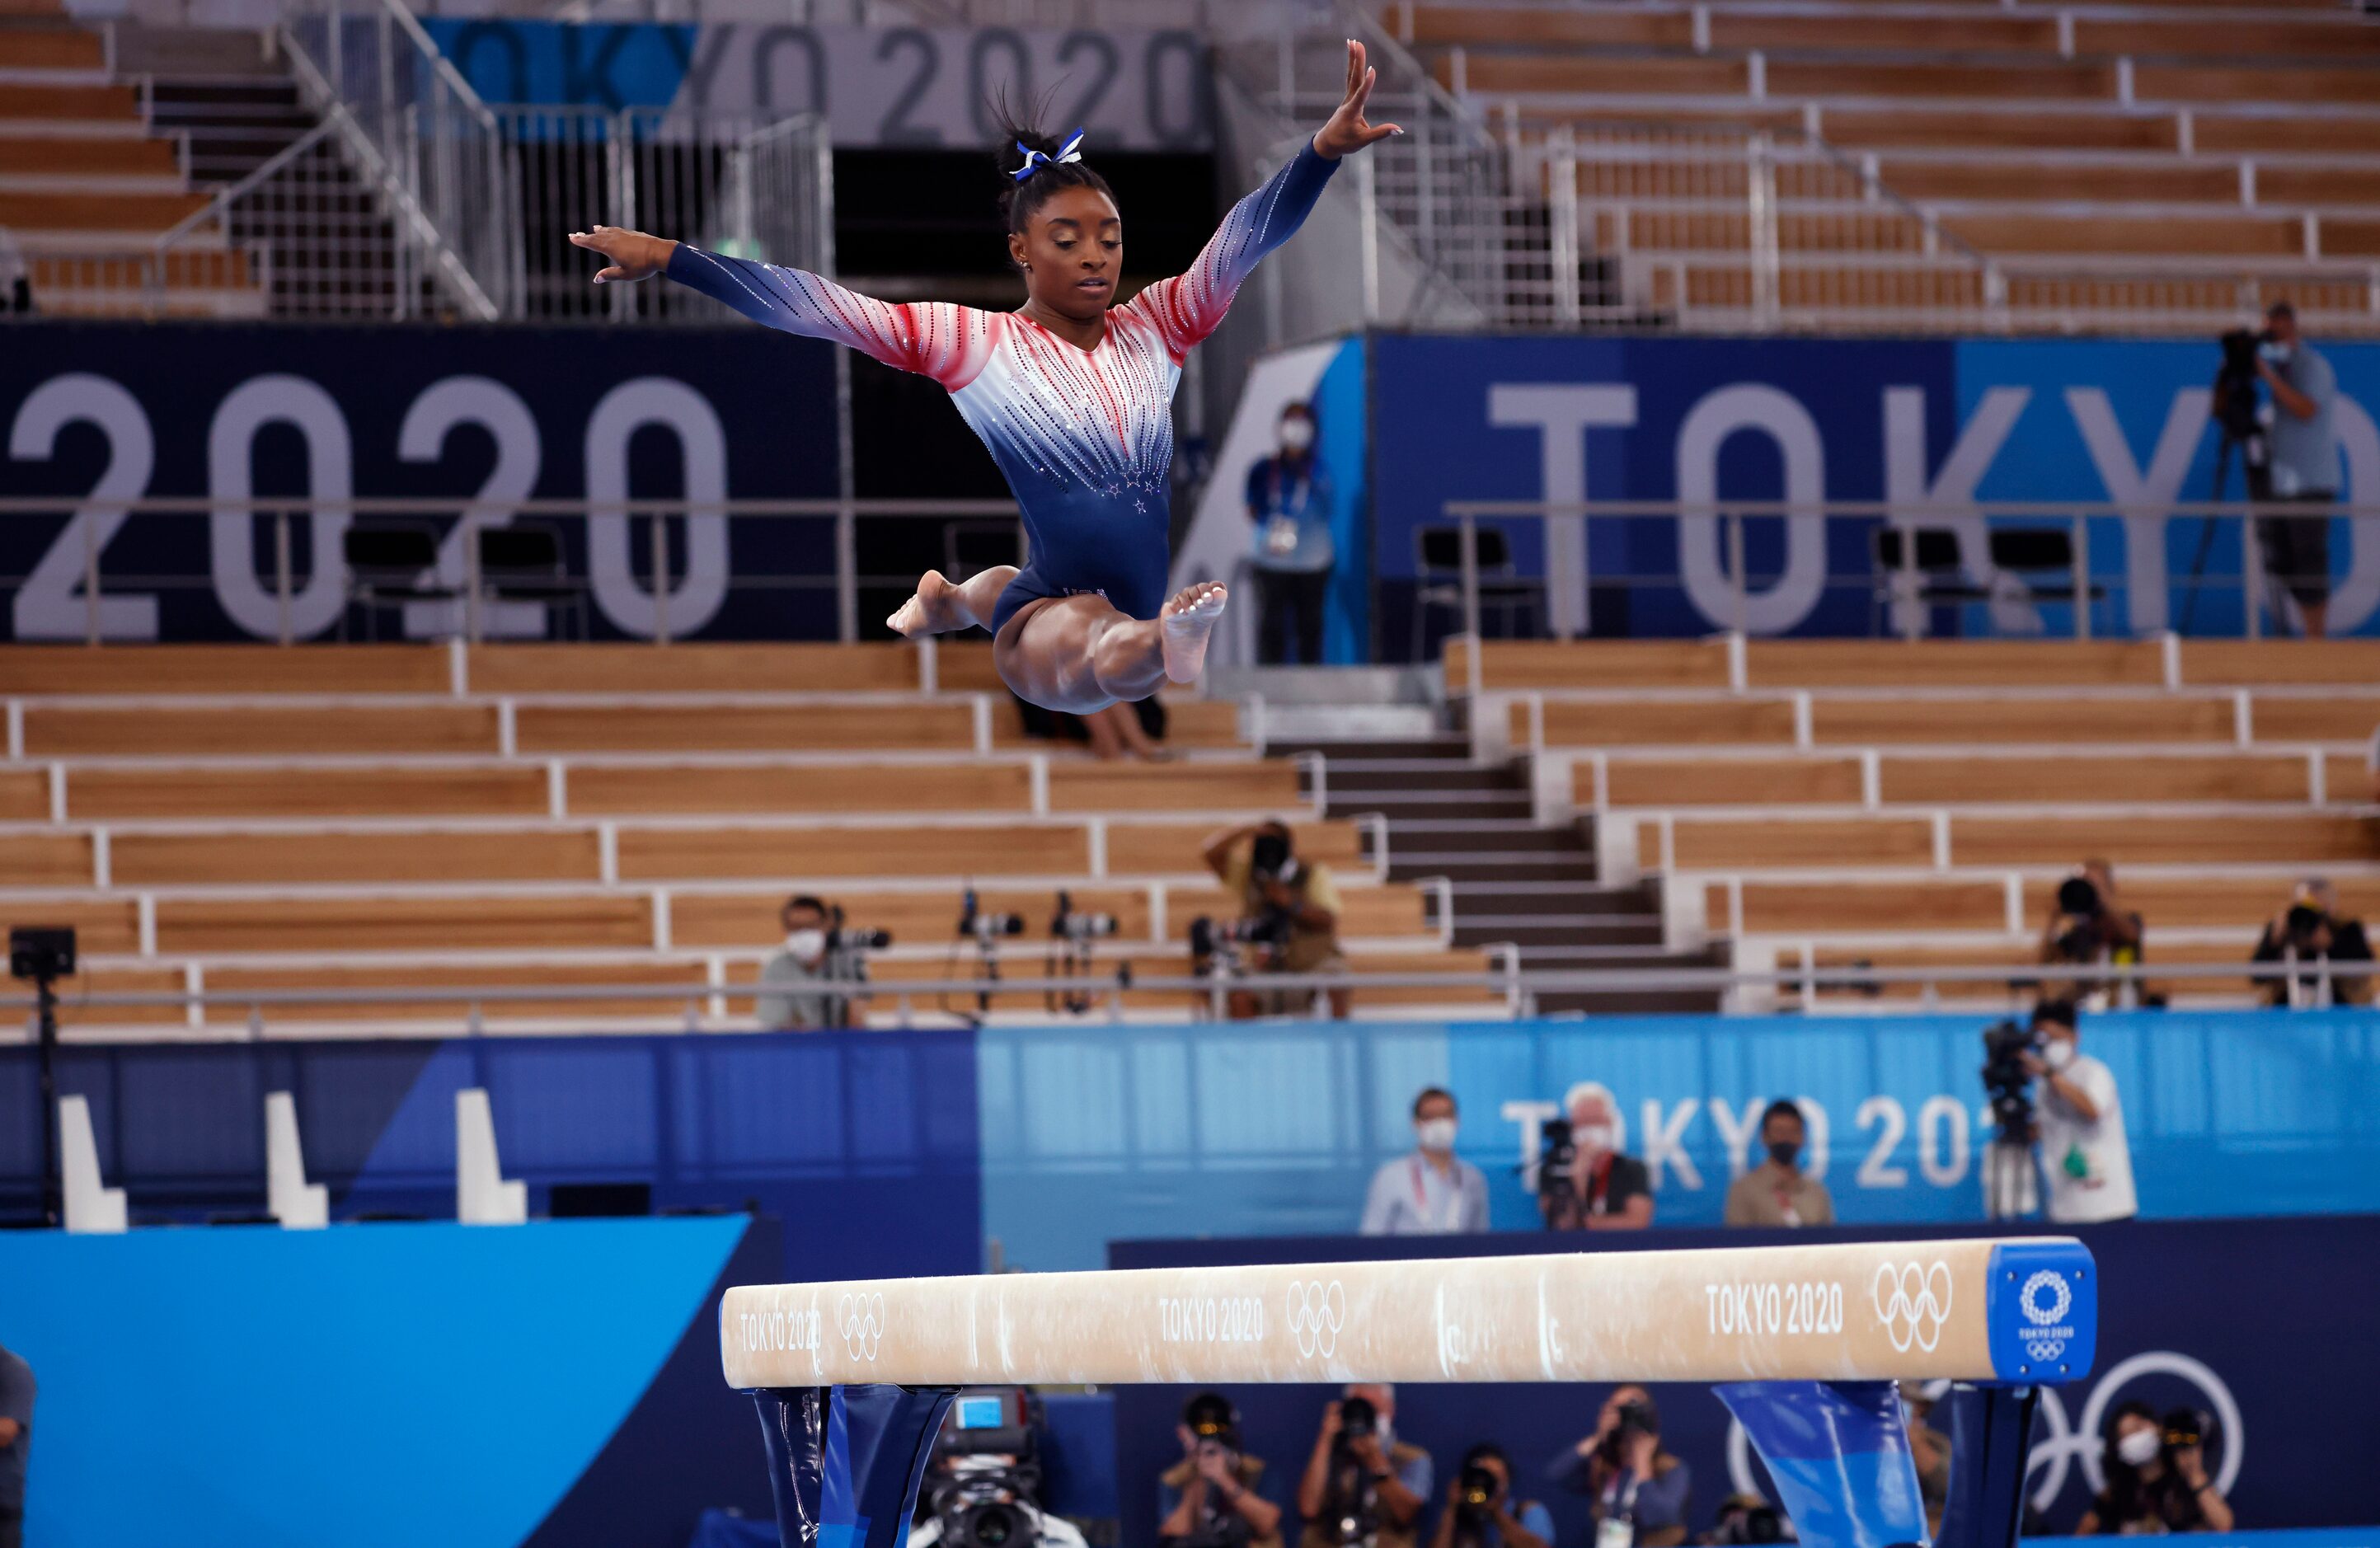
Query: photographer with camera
1209,1499
2077,1124
819,950
1289,913
982,1486
2310,930
1362,1484
1778,1191
2157,1480
1480,1511
2304,466
1583,1181
2089,924
1642,1492
1433,1190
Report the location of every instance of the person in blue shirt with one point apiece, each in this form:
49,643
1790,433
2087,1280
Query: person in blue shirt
1480,1511
1289,503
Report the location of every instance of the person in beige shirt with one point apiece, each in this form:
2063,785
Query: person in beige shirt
1777,1192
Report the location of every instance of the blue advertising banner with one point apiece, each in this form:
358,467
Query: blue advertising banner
1095,1133
97,413
2254,1323
1938,423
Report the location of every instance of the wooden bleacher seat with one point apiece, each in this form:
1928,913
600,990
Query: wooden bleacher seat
1592,75
1953,664
2239,83
731,728
2049,128
24,795
44,101
2179,902
2244,234
2224,663
650,973
2280,183
2312,839
1544,26
2348,780
692,668
167,792
2024,180
2279,778
51,48
607,790
2051,81
223,668
120,980
2343,237
1849,31
1673,782
2331,134
344,926
2287,717
46,860
265,858
1652,722
92,156
694,853
1822,907
1589,663
1253,786
2156,717
1820,843
2325,39
60,731
102,926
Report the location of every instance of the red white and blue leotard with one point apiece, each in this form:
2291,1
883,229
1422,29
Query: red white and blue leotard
1083,437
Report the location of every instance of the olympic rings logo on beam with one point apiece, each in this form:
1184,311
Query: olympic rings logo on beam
1917,1305
861,1320
1316,1312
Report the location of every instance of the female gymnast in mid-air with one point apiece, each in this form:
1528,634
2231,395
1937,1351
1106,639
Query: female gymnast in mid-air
1074,399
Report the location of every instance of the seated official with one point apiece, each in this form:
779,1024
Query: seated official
1778,1191
797,974
1432,1192
1289,914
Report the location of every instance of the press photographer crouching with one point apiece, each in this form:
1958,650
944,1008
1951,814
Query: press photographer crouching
1642,1494
1480,1511
1209,1499
2090,925
2311,931
983,1487
1362,1484
2157,1480
819,950
1289,920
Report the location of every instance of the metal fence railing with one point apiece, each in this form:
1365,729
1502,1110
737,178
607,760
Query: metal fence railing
2015,569
707,1007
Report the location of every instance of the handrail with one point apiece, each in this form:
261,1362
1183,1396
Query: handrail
1526,981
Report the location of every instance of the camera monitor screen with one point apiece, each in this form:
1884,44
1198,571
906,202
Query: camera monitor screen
980,1412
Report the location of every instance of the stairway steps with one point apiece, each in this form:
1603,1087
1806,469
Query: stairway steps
1434,749
1557,930
1426,805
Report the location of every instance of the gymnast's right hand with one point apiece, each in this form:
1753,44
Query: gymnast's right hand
634,255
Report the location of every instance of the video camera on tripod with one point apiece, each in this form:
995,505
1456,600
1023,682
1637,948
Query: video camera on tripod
984,1489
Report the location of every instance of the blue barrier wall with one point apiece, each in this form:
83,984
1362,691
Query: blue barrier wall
2121,422
2258,1321
1099,1133
899,1153
548,1385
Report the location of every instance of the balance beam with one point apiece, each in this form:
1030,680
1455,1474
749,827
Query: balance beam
2019,1311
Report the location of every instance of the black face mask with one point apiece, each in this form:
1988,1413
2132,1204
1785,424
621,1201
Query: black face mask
1784,1152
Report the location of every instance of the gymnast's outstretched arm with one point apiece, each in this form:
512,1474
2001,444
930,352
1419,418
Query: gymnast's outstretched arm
933,338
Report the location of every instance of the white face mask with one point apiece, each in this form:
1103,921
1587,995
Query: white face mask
1296,435
2139,1447
1595,1136
2058,1053
806,946
1435,1134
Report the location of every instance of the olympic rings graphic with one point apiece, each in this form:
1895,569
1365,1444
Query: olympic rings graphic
1316,1312
1917,1306
861,1320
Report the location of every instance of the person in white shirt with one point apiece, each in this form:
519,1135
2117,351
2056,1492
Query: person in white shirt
1433,1191
2078,1126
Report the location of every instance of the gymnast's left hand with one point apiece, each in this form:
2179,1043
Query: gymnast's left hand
1349,130
634,255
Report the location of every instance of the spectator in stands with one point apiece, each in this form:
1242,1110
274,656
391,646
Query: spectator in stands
1929,1450
1778,1191
1289,501
1433,1190
2089,923
16,1443
2304,464
807,959
1362,1484
2311,930
1289,913
2156,1476
1623,1468
1595,1187
1212,1497
1480,1511
2079,1125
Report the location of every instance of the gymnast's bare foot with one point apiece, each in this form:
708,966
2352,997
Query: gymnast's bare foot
938,608
1186,622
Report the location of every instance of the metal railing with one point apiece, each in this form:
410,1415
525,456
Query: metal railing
704,1006
645,565
1747,563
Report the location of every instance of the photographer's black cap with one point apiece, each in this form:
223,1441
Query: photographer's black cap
1210,1414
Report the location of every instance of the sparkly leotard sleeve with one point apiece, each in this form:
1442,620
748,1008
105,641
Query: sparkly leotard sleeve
1085,437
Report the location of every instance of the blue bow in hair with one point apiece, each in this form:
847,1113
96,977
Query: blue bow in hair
1033,160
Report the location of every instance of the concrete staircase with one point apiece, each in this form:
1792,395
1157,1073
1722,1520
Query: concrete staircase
1513,881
